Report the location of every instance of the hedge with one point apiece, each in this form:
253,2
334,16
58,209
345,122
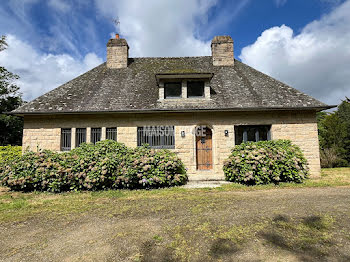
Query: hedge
255,163
106,165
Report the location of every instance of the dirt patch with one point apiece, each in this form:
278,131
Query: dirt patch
306,224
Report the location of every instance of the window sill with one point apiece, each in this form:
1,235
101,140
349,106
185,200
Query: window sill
184,99
196,97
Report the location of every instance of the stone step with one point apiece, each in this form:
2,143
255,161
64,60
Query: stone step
205,183
204,176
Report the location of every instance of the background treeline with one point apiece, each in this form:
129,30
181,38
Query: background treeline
334,136
11,127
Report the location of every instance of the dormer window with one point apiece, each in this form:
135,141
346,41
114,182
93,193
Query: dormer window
172,90
185,86
195,89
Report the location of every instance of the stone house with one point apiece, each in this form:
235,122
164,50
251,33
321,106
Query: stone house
168,103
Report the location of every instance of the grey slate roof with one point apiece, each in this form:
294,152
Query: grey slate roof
135,89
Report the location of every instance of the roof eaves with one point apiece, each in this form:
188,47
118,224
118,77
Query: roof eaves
315,108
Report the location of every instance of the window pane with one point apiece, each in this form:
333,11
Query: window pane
195,89
80,136
173,90
95,135
111,133
156,136
252,133
66,138
263,134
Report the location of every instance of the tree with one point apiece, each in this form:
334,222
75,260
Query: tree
334,136
344,115
11,127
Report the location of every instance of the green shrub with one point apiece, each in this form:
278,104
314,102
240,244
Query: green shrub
45,171
146,167
264,162
8,154
108,164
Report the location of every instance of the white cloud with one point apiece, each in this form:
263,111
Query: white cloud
59,5
160,28
40,73
280,2
152,28
316,61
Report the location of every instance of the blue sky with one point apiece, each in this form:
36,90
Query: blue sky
302,43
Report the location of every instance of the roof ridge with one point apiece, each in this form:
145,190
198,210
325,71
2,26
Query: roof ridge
167,57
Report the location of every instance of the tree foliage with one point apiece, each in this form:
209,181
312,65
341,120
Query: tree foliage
10,98
334,136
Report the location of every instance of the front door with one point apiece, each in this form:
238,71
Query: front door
204,151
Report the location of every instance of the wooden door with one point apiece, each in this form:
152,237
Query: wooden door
204,151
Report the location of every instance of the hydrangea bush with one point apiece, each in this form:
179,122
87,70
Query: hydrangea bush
255,163
106,165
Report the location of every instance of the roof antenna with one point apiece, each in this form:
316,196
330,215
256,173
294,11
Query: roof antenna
117,24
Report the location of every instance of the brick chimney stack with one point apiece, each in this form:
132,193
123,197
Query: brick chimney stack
117,53
222,51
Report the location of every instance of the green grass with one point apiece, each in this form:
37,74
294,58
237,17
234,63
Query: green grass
329,177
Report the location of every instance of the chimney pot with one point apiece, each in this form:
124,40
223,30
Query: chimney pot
116,36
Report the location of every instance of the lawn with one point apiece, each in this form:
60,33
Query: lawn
288,222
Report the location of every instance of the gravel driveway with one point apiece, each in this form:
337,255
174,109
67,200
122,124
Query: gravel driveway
306,224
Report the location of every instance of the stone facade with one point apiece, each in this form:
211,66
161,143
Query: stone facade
43,132
222,51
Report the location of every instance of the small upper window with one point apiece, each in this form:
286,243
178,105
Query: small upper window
252,133
173,90
195,89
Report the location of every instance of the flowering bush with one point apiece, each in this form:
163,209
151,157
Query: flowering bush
264,162
152,168
108,164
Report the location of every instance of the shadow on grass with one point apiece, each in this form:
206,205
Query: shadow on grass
223,247
152,251
309,239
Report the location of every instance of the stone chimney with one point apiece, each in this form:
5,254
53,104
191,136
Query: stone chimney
222,51
117,53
